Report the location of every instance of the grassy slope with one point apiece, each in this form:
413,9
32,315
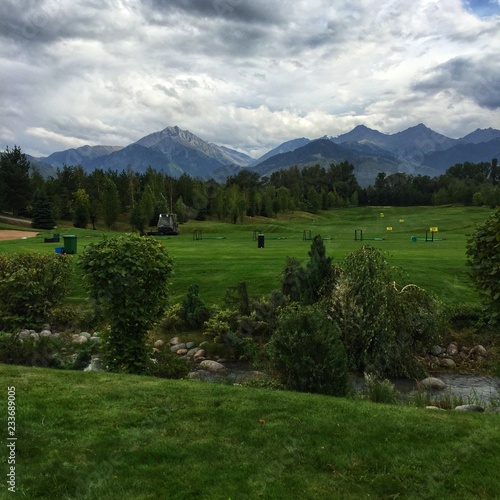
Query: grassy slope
216,263
94,436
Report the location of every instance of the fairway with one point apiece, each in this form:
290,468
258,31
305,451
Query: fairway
226,254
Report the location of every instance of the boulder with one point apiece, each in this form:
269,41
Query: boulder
434,408
447,363
86,335
95,339
433,383
469,408
181,352
176,347
23,335
190,345
452,350
435,350
79,339
200,353
191,352
479,350
34,335
175,341
159,343
45,333
212,366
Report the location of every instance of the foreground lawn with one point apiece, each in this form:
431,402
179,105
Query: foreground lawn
94,436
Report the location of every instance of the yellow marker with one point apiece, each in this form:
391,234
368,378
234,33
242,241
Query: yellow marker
401,220
389,228
433,229
381,214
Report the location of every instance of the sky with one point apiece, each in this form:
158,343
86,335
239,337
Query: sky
246,74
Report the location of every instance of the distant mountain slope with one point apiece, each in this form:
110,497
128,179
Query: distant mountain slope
283,148
45,169
324,152
79,156
474,153
481,135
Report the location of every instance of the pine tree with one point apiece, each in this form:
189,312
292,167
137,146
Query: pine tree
43,216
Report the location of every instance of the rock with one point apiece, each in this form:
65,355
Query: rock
23,335
434,408
200,353
79,339
175,341
86,335
204,344
55,335
452,350
45,333
433,383
480,351
159,343
95,339
46,327
213,366
34,335
469,408
200,359
462,355
190,345
176,347
447,363
181,352
435,350
191,352
193,375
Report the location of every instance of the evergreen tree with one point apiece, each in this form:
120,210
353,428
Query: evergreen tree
110,202
43,217
14,180
82,209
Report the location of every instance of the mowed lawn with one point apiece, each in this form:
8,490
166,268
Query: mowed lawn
229,253
91,435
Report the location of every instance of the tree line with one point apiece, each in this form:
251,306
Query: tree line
84,198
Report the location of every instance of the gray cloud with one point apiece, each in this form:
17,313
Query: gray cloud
475,78
246,74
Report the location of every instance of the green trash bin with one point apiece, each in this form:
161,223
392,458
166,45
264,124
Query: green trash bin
70,241
413,239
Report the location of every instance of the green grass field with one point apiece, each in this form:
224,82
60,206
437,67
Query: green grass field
228,254
96,435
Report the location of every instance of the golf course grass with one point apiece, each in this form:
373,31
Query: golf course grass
226,254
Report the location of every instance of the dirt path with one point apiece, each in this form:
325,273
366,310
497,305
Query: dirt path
8,234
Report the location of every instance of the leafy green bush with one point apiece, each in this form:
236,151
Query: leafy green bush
29,352
380,391
30,286
483,256
128,277
384,327
164,364
307,354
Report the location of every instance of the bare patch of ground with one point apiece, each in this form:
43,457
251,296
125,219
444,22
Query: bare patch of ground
8,234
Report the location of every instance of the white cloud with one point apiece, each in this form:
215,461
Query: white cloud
248,75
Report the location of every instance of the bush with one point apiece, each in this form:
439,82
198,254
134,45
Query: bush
29,352
128,277
483,256
164,364
384,327
30,286
307,354
194,310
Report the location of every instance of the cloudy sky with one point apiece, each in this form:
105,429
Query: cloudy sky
247,74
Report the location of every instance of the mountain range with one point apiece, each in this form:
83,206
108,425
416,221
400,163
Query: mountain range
416,150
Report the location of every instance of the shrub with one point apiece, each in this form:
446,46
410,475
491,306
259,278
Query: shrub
383,326
164,364
29,352
483,256
30,286
307,354
380,391
194,310
128,277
